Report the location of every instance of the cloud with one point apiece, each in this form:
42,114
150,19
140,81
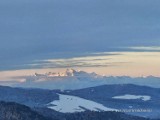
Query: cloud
144,48
104,59
92,60
31,30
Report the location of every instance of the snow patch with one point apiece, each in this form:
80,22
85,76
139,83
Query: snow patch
128,96
71,104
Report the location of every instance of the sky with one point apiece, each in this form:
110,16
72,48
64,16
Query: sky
113,37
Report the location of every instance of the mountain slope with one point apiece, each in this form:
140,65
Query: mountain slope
141,97
101,116
105,96
90,115
29,97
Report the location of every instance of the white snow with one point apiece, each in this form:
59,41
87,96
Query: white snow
69,73
71,104
128,96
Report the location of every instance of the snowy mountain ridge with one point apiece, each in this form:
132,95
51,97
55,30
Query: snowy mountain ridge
76,79
68,72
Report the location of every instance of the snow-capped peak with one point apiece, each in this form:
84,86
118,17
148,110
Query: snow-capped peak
69,73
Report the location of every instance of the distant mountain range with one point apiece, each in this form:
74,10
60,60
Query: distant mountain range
131,99
75,79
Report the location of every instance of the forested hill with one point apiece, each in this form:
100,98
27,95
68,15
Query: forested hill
14,111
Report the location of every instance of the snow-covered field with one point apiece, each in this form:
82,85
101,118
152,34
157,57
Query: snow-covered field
71,104
128,96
